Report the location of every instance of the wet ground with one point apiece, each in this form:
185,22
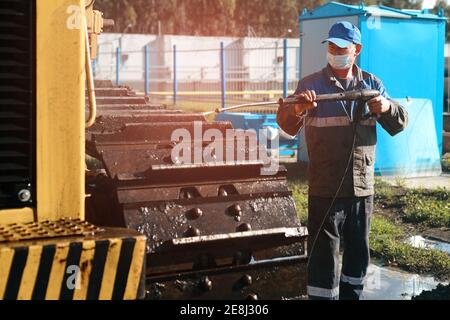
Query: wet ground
396,284
385,283
421,242
388,283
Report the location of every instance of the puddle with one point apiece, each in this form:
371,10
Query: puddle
421,242
384,283
387,283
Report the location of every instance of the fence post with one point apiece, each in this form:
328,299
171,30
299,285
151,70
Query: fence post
223,79
118,58
147,70
175,84
285,68
94,67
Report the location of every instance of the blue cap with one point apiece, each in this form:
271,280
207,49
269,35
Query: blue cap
343,34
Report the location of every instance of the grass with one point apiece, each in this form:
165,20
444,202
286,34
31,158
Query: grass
92,163
396,210
194,106
429,208
426,208
446,164
383,190
387,242
300,194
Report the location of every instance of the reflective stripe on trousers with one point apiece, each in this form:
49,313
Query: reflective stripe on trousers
352,280
323,293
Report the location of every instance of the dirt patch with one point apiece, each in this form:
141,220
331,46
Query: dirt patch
440,293
439,234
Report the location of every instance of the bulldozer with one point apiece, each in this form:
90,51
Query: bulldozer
48,251
135,222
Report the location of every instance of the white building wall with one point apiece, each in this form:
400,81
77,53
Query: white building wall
198,58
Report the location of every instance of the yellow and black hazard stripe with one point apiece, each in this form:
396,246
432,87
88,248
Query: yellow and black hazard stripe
85,269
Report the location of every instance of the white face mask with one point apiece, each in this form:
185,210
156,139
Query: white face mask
341,62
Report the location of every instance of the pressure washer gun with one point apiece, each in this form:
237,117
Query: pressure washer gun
361,96
357,95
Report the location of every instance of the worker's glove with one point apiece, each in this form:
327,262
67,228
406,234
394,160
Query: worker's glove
308,95
379,105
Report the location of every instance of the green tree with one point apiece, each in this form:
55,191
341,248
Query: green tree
442,5
264,18
398,4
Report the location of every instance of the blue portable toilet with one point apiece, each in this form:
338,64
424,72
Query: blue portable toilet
404,48
413,152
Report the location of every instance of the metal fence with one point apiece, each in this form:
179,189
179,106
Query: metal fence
224,75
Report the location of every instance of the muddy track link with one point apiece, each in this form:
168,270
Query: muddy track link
215,229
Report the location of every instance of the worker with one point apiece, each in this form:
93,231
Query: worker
340,138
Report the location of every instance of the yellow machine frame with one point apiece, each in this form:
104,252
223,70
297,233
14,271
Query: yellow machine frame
111,263
60,95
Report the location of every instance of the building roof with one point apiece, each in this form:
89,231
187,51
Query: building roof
336,9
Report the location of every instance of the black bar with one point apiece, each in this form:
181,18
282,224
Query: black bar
15,274
43,275
123,268
73,259
98,267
